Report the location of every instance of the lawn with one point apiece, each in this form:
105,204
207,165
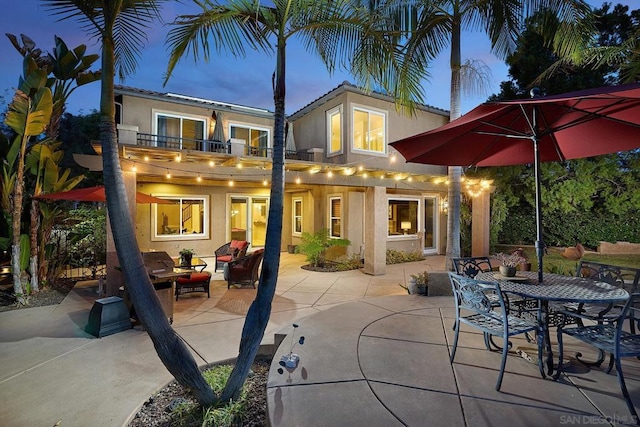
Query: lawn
555,263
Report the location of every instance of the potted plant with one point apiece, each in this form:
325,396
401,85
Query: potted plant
419,283
508,263
524,265
185,257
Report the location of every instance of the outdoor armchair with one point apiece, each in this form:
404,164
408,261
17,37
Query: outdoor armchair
230,251
195,282
626,278
474,309
243,271
610,336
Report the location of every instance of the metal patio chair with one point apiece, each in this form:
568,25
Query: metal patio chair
609,336
474,309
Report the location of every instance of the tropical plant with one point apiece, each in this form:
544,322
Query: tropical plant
315,245
69,70
438,24
29,114
344,31
119,25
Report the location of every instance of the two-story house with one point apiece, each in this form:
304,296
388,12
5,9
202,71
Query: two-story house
211,161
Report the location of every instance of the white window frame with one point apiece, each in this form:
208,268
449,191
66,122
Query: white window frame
251,127
418,217
369,110
297,200
179,236
157,113
331,217
330,113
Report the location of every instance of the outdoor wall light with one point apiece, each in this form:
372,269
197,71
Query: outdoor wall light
444,206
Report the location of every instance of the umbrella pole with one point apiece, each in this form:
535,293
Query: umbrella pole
539,241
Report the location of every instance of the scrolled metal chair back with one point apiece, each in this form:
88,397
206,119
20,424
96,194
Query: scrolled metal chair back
470,293
471,266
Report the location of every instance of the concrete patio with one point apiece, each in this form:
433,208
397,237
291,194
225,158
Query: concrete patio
379,359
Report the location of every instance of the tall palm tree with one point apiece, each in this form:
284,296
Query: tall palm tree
438,24
120,25
334,30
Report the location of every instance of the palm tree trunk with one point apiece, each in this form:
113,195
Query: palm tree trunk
170,348
455,172
258,315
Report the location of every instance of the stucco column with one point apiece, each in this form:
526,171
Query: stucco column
115,278
375,231
480,223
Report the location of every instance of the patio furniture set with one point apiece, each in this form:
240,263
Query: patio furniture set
239,268
599,306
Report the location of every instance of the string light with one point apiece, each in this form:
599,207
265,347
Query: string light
212,163
178,158
298,180
134,168
329,174
265,182
231,183
146,158
168,174
199,178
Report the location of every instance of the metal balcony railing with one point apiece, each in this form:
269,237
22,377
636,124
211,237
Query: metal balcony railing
177,143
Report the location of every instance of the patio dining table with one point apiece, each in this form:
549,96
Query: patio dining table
555,288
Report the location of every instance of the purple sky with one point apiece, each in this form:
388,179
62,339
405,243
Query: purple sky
244,81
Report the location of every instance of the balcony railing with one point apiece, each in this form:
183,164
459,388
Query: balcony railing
177,143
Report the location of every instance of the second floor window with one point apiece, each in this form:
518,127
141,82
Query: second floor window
334,131
369,131
179,132
256,139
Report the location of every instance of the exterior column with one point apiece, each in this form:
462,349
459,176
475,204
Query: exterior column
375,231
115,278
480,223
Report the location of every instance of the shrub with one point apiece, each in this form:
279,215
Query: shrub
398,257
314,245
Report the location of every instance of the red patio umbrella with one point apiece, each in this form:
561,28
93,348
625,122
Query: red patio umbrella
95,194
542,129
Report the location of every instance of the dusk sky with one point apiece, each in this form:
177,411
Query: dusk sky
245,81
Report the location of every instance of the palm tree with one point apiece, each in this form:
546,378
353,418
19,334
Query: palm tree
333,30
120,25
438,24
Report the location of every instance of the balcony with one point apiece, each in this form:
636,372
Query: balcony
207,146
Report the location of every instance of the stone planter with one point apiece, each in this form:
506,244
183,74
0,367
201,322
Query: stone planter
507,271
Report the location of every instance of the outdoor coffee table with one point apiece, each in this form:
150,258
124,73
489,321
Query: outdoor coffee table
555,288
